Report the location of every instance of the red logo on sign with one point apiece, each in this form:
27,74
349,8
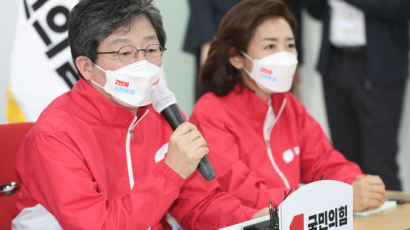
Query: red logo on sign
297,223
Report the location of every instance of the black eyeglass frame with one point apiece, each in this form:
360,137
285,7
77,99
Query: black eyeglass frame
144,51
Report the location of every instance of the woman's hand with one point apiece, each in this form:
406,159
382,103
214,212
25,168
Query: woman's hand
368,192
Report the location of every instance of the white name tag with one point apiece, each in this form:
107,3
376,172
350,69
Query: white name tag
347,24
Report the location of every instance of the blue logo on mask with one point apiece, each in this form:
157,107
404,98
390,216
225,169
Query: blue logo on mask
268,77
124,90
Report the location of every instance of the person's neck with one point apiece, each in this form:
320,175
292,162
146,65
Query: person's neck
252,86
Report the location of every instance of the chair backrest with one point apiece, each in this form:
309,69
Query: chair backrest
11,135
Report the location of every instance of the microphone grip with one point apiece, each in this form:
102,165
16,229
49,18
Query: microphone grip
205,168
174,118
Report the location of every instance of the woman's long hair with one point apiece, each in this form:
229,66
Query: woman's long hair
233,36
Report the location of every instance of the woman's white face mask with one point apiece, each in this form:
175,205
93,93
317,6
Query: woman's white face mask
130,85
273,73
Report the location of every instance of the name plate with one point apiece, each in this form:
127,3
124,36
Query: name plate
324,204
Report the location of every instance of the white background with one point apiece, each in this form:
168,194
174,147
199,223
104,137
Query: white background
179,68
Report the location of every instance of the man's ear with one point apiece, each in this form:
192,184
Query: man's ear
236,59
85,67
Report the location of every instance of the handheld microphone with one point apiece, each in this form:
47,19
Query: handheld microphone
164,102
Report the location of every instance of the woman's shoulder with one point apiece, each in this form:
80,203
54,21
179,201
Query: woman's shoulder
208,102
294,103
208,107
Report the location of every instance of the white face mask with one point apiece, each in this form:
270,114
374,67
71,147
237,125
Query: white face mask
273,73
130,85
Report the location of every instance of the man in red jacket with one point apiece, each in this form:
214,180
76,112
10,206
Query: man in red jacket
99,156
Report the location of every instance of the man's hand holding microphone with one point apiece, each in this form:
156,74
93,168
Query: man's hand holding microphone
186,148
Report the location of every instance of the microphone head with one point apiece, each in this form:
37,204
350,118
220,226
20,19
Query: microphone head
162,97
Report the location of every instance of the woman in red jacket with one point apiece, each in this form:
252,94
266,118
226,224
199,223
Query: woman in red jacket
262,140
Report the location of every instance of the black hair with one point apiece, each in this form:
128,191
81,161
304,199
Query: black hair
91,21
234,33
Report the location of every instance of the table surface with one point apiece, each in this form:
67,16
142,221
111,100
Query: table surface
394,218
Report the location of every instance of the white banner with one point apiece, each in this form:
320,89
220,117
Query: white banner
41,65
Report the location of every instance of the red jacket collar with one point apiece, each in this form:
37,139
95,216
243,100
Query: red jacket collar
249,102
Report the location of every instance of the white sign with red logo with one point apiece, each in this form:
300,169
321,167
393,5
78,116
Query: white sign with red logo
324,204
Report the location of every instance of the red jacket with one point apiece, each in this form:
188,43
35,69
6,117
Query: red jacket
94,165
258,154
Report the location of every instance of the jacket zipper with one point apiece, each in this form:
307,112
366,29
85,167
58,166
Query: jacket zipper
130,135
268,125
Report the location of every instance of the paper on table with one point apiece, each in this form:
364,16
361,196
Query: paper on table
398,196
387,205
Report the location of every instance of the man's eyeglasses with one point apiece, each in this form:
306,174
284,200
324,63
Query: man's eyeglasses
129,54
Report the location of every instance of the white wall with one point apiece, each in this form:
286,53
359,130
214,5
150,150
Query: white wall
179,65
179,68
